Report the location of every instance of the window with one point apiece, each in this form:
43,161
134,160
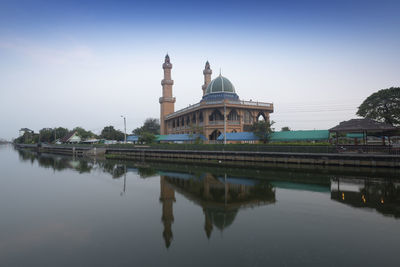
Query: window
248,119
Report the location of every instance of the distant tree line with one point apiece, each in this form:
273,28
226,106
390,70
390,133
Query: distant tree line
51,135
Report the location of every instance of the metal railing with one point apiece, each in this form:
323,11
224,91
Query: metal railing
368,149
239,102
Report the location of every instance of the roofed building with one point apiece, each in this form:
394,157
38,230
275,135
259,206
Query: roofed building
363,128
219,110
71,138
284,136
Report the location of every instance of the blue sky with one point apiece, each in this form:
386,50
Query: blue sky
84,63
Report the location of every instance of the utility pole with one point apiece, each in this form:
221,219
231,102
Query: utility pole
224,123
124,128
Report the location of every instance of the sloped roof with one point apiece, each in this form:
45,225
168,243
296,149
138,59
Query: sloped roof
68,136
243,136
310,135
279,136
25,130
361,125
170,137
180,137
132,138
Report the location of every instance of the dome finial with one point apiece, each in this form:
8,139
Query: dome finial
220,72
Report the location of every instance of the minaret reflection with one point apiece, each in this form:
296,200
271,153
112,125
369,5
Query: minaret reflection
220,198
167,198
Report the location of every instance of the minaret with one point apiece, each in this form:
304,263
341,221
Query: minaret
167,101
207,77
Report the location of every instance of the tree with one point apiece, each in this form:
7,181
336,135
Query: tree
27,138
196,131
262,129
383,106
83,133
46,135
110,133
49,135
150,125
60,132
147,138
285,129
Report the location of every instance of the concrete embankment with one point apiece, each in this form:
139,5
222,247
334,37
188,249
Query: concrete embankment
227,157
258,158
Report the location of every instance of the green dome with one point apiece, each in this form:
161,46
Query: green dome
220,85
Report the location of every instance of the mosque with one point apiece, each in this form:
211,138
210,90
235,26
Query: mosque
219,111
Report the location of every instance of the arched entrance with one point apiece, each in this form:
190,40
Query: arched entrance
214,135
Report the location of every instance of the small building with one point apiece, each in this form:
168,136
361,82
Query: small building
284,136
241,137
300,136
363,128
91,141
180,138
71,138
171,138
132,139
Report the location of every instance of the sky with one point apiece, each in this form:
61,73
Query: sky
86,63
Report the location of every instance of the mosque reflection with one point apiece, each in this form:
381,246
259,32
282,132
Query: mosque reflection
223,192
220,197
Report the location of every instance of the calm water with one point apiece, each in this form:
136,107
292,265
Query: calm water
60,211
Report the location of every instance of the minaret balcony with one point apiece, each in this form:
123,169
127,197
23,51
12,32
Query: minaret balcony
167,82
167,99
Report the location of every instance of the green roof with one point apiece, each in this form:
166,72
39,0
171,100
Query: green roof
219,85
287,136
355,135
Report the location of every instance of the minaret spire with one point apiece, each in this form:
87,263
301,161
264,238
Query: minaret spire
167,101
207,77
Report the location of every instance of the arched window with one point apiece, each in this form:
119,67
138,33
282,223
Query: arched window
194,118
233,115
173,124
201,117
261,116
248,119
216,116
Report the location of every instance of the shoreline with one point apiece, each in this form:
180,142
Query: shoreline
244,158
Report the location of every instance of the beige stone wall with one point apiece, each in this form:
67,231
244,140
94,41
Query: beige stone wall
209,127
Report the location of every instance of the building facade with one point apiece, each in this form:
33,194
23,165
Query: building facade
220,109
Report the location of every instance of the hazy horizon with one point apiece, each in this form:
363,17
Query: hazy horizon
86,63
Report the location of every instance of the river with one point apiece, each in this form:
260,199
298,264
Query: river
63,211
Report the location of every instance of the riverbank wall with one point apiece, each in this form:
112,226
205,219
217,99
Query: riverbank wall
225,157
